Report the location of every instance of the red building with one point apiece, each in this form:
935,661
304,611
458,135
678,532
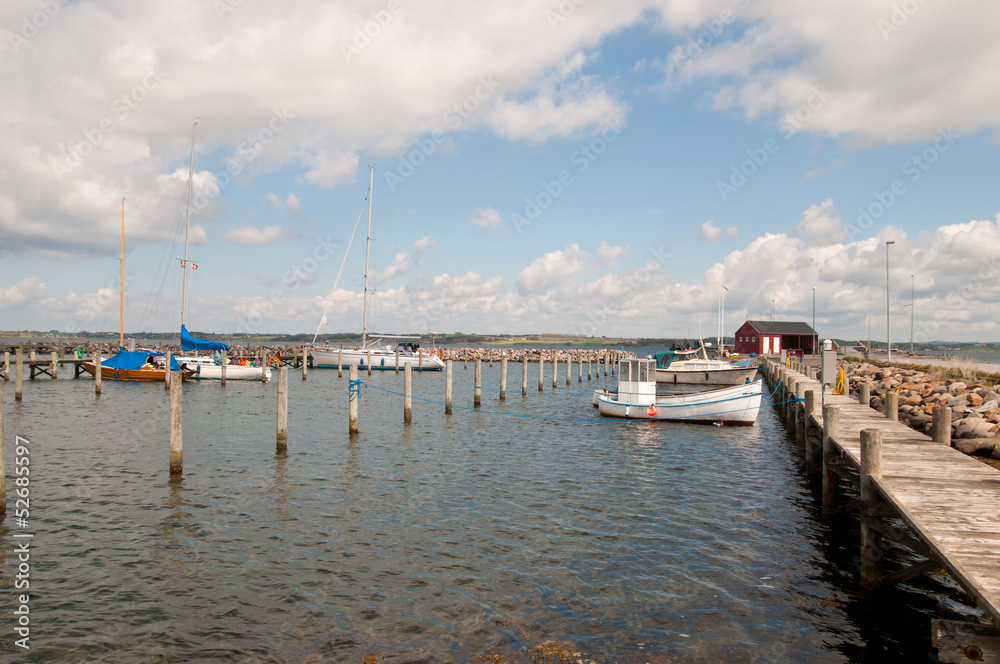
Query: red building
765,337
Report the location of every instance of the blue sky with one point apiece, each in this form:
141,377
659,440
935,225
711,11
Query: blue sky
741,161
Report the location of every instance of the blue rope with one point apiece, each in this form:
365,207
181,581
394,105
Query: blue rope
354,389
540,417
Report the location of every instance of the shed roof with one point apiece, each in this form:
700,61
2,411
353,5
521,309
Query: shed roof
781,327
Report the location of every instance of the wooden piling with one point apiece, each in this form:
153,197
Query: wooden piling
524,374
19,376
407,392
3,464
590,365
447,386
369,363
340,362
478,387
831,429
222,368
891,408
282,438
97,373
503,379
353,397
176,441
53,366
865,394
6,366
871,472
167,372
541,372
305,361
31,356
798,422
941,425
397,359
569,368
788,409
555,370
420,359
579,376
812,453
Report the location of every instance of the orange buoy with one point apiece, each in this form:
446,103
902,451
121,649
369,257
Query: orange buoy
651,411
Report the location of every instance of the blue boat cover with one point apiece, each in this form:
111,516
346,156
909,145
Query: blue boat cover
133,360
664,358
190,343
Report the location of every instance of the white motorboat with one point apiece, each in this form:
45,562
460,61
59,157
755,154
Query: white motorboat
373,355
637,398
686,368
210,368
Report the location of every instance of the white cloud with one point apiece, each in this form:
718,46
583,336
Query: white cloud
487,218
251,235
421,245
400,263
27,289
552,269
820,225
293,203
712,233
610,254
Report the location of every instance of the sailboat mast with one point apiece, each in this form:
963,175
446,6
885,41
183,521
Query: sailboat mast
368,243
121,288
187,227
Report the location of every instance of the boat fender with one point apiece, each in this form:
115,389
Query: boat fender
361,362
706,376
79,352
383,361
651,411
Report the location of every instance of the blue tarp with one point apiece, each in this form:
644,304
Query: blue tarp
134,359
664,358
190,343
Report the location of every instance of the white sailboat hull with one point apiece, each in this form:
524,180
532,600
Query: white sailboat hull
381,359
737,405
206,369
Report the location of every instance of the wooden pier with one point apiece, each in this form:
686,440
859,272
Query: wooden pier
915,491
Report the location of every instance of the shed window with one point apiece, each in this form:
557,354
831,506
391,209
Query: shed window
755,339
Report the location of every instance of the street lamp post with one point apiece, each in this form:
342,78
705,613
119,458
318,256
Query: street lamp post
815,336
888,339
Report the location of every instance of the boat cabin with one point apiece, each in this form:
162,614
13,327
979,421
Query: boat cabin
637,381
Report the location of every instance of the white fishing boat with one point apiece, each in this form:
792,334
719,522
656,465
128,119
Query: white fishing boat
637,398
375,355
207,367
684,367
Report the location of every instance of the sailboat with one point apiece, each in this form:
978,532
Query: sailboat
134,365
374,355
207,367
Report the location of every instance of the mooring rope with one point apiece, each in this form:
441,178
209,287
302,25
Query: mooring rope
551,419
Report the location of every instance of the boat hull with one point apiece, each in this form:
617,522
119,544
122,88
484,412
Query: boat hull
135,375
233,372
738,406
381,360
694,376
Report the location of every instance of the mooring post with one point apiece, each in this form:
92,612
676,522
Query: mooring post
569,368
478,387
865,394
305,361
524,374
447,386
420,359
503,379
555,370
812,453
397,359
176,441
871,472
798,419
590,365
340,362
831,430
541,372
891,409
3,465
54,366
97,372
6,366
407,392
789,404
941,425
369,363
167,372
604,357
353,397
19,376
282,438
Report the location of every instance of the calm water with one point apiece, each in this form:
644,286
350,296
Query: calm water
634,541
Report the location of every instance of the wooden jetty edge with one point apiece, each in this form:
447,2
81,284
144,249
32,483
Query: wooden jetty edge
947,500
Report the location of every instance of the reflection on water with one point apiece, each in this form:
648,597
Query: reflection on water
633,541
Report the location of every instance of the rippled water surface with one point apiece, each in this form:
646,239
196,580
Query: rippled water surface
632,541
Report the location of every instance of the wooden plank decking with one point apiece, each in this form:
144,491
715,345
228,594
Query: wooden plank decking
949,500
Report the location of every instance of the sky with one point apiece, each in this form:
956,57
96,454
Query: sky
571,166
